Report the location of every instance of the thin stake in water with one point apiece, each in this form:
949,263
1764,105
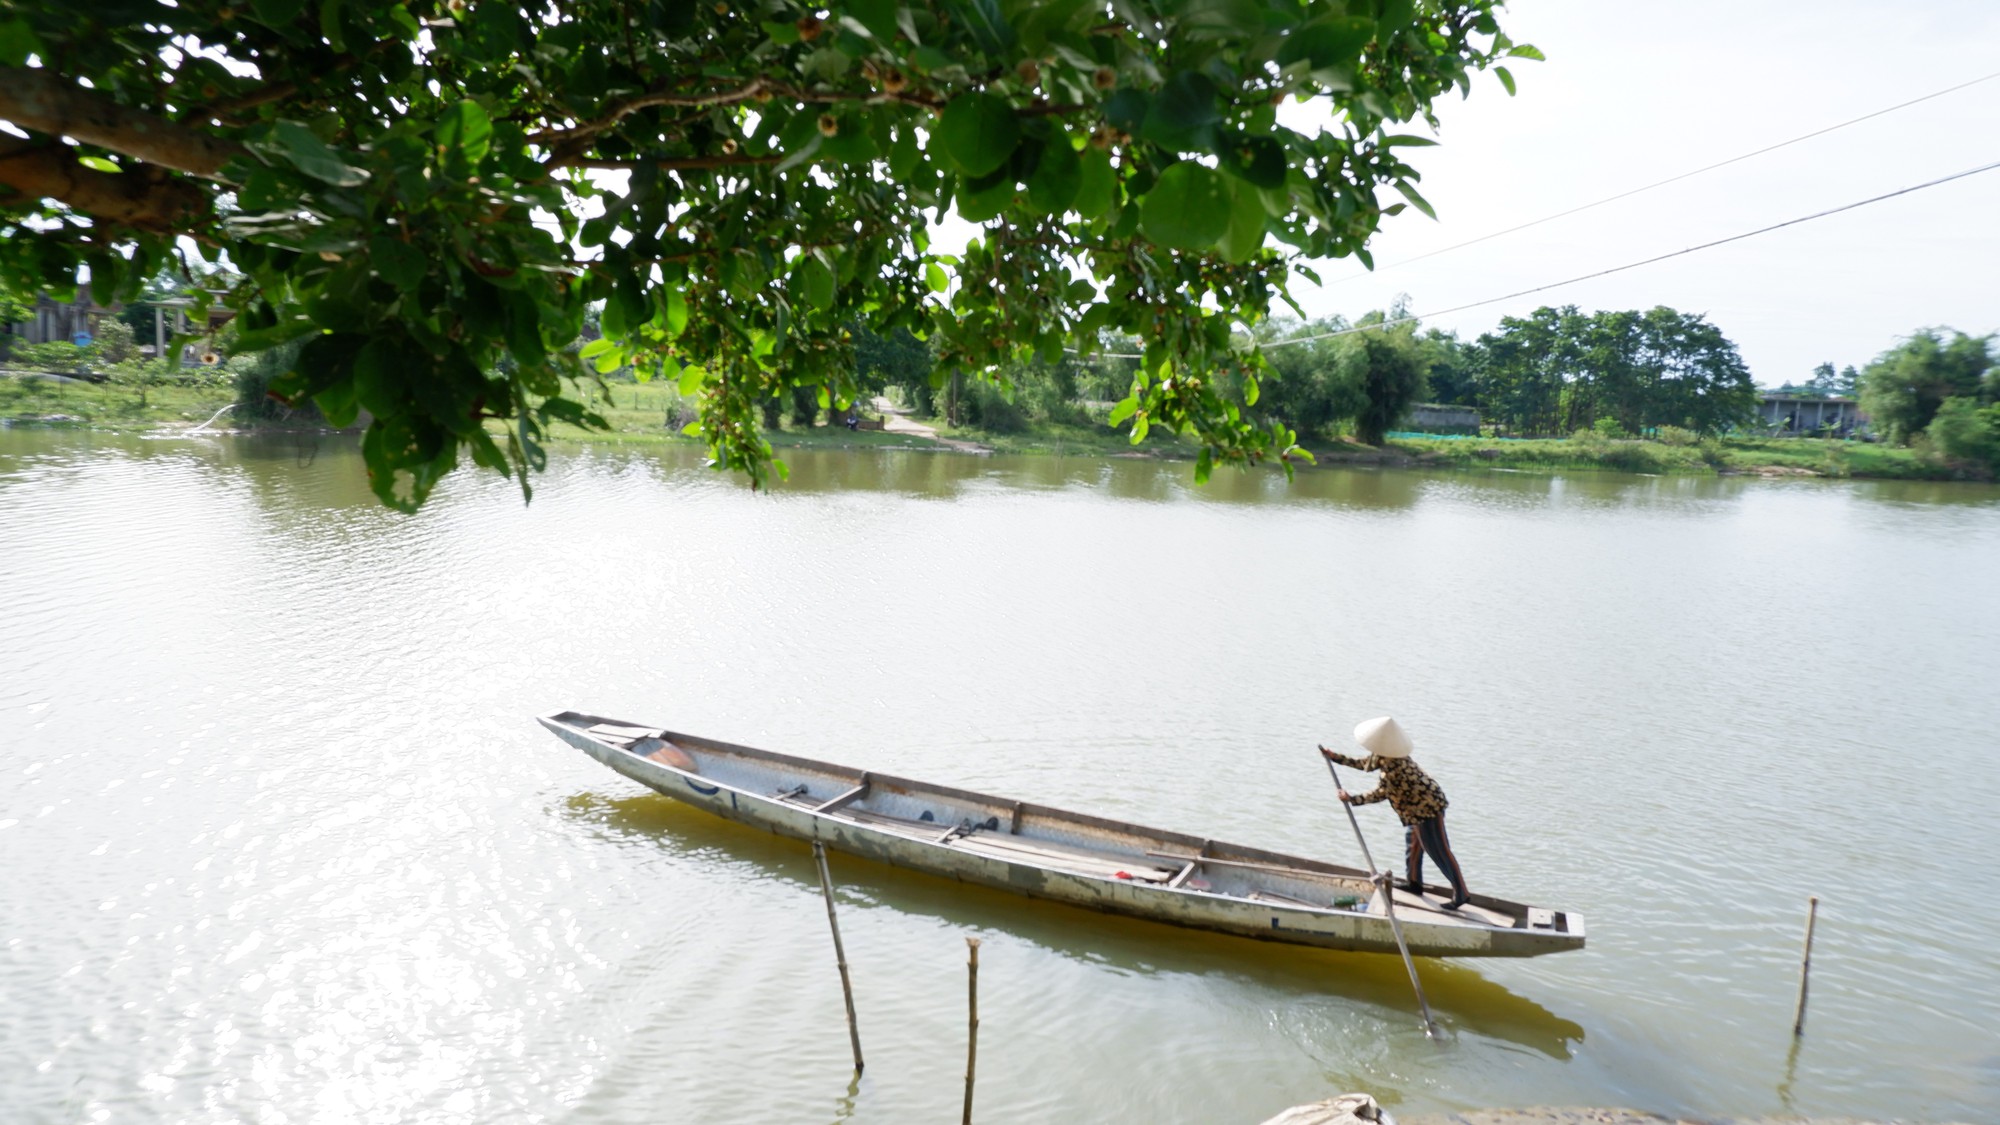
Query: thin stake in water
1805,967
972,1034
839,954
1386,883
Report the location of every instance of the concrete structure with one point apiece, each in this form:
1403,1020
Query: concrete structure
1810,414
51,321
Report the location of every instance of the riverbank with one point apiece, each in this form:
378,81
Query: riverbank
653,414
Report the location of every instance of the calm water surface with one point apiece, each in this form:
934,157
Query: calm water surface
279,841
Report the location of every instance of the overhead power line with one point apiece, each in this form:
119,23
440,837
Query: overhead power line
1670,179
1413,317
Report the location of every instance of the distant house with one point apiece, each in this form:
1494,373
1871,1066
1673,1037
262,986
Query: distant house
56,322
1436,418
1810,414
76,322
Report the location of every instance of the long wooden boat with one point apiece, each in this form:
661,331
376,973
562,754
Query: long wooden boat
1047,853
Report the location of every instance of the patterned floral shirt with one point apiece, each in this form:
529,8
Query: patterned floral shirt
1407,788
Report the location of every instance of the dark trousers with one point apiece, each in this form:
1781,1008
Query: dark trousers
1427,835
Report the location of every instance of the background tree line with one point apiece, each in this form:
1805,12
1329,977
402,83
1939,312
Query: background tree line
1553,372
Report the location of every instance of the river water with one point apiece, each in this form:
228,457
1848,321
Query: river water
280,841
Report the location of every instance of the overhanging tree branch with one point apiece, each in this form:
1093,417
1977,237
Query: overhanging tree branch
41,101
147,200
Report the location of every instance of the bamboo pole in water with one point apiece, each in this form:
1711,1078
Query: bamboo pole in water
839,954
1805,966
972,1031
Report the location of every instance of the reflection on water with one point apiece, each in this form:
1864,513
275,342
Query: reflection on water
725,851
277,830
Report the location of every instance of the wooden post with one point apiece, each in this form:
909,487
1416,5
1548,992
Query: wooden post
972,1034
1805,966
839,954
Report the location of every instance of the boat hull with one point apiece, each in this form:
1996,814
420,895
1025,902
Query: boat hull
1354,928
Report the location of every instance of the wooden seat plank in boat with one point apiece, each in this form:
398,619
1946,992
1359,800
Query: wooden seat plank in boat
1057,855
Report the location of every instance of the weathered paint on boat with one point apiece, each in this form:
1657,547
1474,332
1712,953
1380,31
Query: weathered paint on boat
1062,856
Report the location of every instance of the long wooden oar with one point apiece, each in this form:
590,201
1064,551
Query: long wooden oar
1386,882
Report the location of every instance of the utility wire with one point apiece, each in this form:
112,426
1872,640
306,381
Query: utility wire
1668,180
1614,269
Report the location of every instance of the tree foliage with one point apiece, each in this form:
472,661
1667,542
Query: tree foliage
1388,366
1904,387
1968,431
1559,370
431,193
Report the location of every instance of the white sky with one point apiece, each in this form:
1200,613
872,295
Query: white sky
1637,92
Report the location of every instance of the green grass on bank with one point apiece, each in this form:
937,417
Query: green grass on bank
109,405
1814,456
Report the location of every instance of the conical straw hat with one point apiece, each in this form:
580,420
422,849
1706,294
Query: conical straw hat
1383,738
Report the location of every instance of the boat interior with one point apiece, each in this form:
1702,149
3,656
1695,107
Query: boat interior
1039,836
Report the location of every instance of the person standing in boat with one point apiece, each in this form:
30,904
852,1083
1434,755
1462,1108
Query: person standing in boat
1419,801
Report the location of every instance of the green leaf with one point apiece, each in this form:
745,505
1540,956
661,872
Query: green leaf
265,190
398,263
1417,201
379,384
310,155
903,155
1140,426
1057,177
524,330
1126,407
339,405
878,16
1181,112
979,132
817,282
1251,392
1222,19
1204,464
610,361
17,42
1256,160
692,378
677,313
100,164
1246,224
329,24
466,129
934,276
979,206
596,348
1126,108
1188,209
325,360
1327,43
1096,186
1396,15
1506,79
